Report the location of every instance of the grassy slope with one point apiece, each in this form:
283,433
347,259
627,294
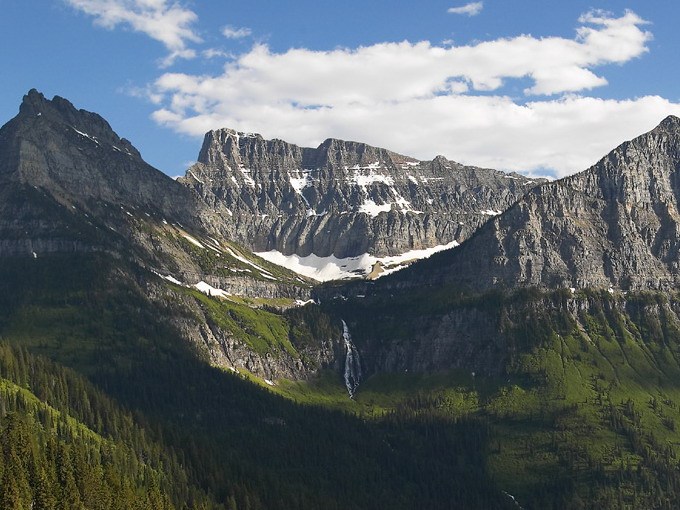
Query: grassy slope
235,440
586,414
584,417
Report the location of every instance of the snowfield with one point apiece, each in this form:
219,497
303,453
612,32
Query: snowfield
329,268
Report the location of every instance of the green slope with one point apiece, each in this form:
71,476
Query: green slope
238,445
582,413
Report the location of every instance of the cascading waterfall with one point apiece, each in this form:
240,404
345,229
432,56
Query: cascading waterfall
352,363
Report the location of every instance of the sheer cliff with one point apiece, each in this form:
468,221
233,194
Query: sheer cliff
343,198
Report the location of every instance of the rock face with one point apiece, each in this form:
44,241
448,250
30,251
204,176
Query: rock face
343,198
616,224
69,184
224,350
81,161
67,181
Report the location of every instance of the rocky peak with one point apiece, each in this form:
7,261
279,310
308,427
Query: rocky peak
60,111
75,157
340,154
616,224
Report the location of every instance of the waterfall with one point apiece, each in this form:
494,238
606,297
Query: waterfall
352,363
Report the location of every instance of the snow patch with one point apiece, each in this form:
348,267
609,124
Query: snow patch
194,176
208,289
169,278
372,209
366,179
86,135
246,176
300,302
299,184
192,240
263,271
332,268
490,212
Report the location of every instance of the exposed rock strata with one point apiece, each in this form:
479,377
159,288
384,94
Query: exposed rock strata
616,224
343,198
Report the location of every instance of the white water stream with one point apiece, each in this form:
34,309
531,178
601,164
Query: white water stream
352,363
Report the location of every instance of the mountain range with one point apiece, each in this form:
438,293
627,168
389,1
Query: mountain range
343,199
534,365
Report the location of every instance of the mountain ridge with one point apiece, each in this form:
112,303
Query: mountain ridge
612,225
343,199
470,389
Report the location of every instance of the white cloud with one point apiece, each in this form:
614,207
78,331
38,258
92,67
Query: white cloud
215,53
471,9
166,22
235,33
422,100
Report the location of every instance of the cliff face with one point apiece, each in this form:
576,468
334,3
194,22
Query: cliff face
71,184
343,198
489,334
616,224
70,188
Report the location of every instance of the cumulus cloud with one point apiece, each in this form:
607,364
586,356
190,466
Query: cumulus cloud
471,9
166,22
423,99
235,33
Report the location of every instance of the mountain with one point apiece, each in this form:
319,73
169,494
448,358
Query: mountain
614,225
73,191
343,199
559,321
176,340
75,160
186,372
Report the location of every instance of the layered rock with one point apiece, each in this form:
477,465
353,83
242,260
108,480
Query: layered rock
70,185
343,198
81,161
616,224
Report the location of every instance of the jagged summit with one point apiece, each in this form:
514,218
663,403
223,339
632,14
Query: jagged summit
69,183
62,111
343,198
75,156
616,224
669,123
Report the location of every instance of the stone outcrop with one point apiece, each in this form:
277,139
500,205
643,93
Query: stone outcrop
81,161
343,198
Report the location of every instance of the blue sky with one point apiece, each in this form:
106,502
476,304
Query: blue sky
545,88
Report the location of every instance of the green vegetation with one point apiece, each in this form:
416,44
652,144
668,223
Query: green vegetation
583,410
222,262
236,445
67,446
263,331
